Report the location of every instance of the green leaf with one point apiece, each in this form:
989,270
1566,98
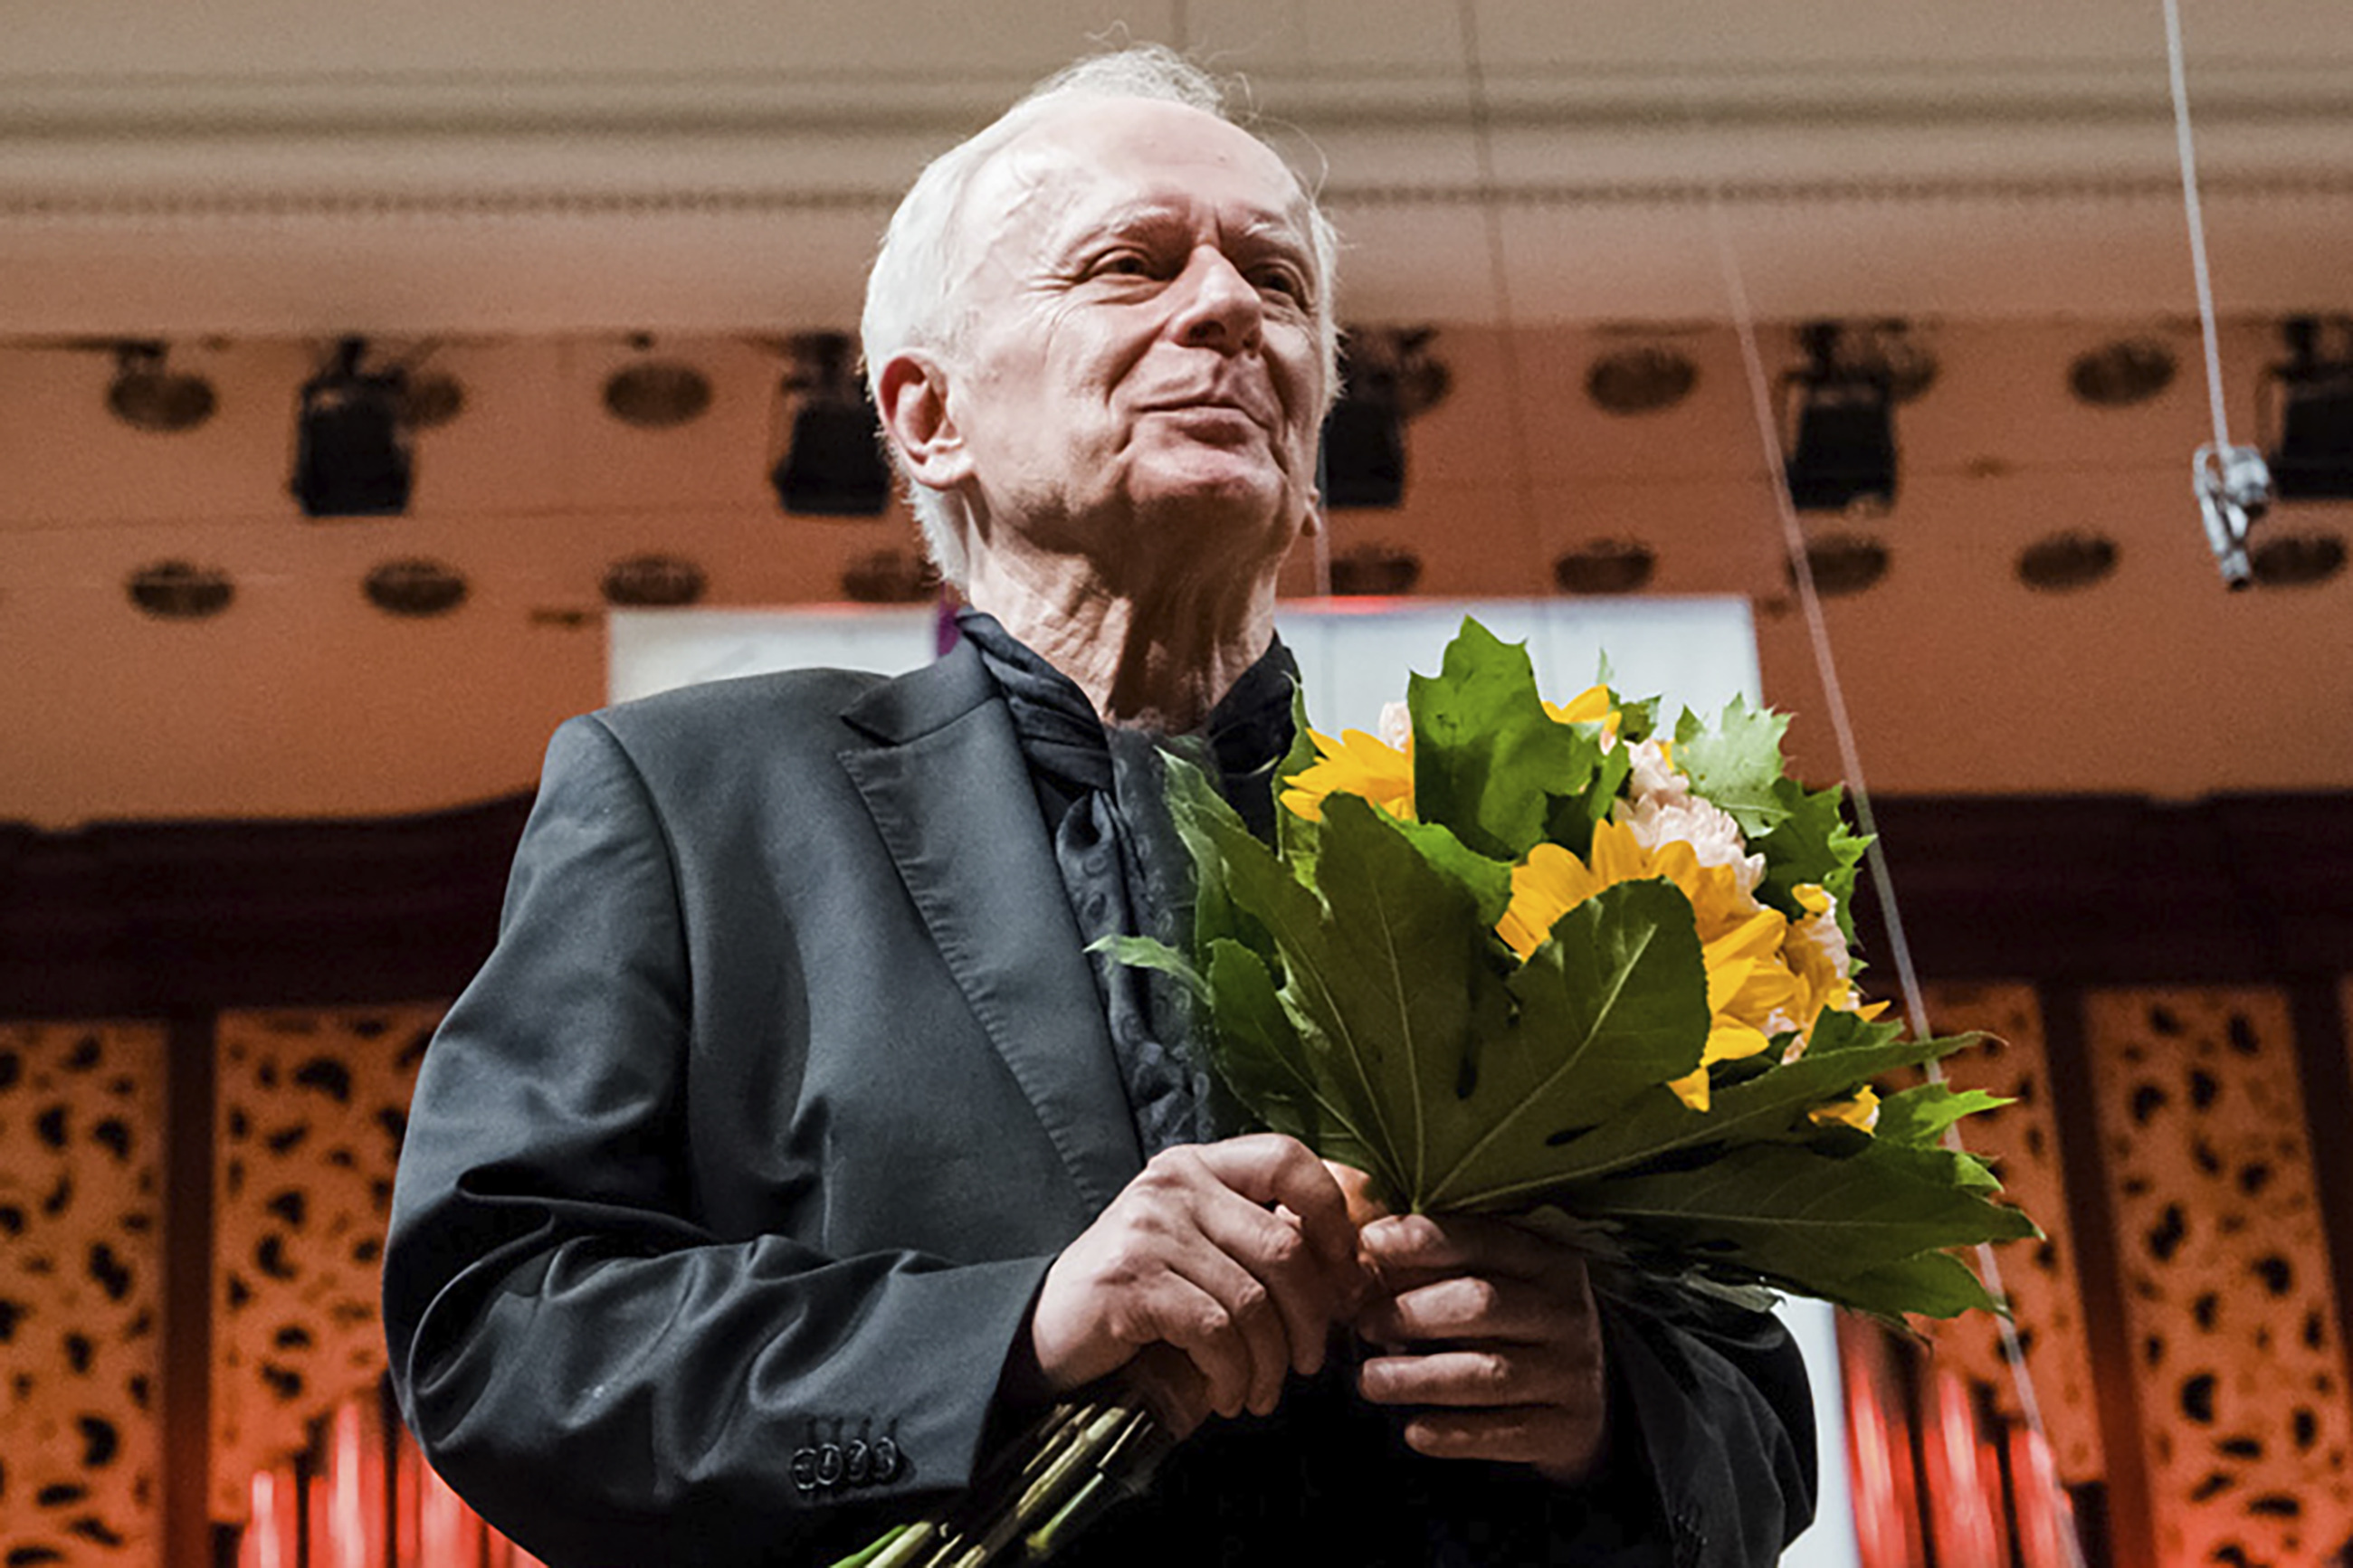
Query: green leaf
1488,883
1486,756
1397,978
1612,1005
1920,1116
1932,1285
1657,1126
1736,764
1349,1055
1150,953
1809,842
1260,1057
1808,1220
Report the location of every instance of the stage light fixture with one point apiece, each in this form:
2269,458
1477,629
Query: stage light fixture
1378,571
2296,560
656,394
415,587
2311,411
1640,378
1606,566
2120,373
890,578
1391,377
352,455
653,582
180,591
2066,561
1842,564
832,463
147,394
1839,420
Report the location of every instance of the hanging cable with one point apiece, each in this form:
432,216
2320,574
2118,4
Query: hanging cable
2233,484
1907,976
2186,149
1499,280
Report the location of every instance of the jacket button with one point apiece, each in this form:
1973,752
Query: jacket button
887,1460
804,1469
828,1465
857,1462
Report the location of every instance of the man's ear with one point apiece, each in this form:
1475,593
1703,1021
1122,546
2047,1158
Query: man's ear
1313,523
911,394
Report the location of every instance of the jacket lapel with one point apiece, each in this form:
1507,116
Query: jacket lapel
950,793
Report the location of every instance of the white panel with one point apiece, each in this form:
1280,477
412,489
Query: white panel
1695,652
1830,1543
660,651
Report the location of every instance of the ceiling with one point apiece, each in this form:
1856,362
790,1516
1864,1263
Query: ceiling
519,186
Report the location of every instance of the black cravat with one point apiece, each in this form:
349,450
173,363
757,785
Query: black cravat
1101,791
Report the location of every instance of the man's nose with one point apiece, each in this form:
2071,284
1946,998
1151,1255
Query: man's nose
1220,308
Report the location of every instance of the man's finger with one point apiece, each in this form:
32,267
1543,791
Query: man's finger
1468,1307
1563,1444
1180,1310
1476,1377
1298,1283
1268,1168
1407,1245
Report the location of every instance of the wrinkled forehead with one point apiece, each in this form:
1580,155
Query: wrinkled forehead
1097,163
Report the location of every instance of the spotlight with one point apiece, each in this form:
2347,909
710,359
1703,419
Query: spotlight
653,582
148,395
656,394
1606,566
1391,378
2311,407
2120,373
1840,422
832,463
352,455
180,591
1844,563
1641,379
2066,561
1377,571
2297,560
417,587
890,578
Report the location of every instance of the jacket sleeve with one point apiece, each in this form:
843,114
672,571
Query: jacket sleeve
1714,1463
604,1377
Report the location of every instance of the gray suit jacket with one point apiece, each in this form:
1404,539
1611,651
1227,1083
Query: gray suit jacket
730,1179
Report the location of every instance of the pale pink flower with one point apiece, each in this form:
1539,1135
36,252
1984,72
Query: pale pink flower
1396,728
1653,775
1664,818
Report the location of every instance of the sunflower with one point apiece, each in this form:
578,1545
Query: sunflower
1358,765
1748,982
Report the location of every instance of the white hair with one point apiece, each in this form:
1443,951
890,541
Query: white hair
911,292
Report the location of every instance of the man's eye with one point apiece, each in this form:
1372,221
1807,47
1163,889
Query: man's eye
1123,264
1284,282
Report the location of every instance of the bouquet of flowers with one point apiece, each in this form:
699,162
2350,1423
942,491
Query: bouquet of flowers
1554,964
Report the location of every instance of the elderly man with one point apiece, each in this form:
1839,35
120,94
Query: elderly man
789,1151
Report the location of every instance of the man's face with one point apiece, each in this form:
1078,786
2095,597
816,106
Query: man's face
1139,377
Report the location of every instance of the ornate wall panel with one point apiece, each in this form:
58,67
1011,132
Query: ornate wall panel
310,1109
2022,1140
81,1286
2228,1302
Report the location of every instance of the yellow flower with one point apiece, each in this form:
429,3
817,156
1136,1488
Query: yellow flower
1740,941
1817,960
1358,765
1590,706
1861,1113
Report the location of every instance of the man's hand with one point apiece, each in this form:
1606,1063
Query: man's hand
1240,1254
1492,1330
